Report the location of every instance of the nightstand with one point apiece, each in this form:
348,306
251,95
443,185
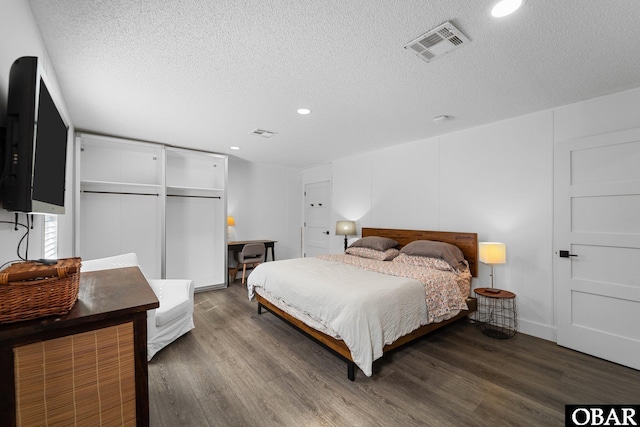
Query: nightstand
497,316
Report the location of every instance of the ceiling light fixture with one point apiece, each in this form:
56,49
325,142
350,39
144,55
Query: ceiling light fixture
505,7
304,111
234,147
442,118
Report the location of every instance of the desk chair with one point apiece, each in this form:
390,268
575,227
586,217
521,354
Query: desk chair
252,253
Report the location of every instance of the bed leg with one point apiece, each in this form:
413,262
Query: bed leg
351,371
259,308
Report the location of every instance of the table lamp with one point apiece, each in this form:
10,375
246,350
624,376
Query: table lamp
345,228
231,222
492,253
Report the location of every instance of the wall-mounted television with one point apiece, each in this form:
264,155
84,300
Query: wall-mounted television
35,153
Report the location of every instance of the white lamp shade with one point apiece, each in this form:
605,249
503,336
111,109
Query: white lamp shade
345,228
492,252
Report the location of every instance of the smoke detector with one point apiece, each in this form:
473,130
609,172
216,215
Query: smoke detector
263,133
437,42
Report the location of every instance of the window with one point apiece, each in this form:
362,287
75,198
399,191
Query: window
50,244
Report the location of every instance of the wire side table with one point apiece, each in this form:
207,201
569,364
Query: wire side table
497,314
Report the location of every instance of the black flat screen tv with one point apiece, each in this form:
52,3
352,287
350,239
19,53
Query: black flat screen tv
33,176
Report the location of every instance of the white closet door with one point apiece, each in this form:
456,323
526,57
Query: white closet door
120,200
113,224
192,228
196,217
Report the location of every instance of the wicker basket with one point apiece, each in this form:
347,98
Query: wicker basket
30,290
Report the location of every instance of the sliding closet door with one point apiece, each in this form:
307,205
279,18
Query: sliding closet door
196,217
166,204
113,224
121,200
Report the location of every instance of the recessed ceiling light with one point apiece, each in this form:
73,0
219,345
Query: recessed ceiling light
506,7
304,111
234,147
442,118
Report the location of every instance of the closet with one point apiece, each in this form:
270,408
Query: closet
165,203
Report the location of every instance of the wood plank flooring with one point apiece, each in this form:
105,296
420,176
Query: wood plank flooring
237,368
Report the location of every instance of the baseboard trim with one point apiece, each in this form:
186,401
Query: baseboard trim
538,330
210,287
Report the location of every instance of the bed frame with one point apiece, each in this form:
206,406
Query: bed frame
467,242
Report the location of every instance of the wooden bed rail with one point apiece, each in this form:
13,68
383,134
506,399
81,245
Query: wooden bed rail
341,349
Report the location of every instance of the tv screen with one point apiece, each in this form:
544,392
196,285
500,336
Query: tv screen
36,143
50,154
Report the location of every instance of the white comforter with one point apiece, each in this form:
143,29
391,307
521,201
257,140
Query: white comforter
367,310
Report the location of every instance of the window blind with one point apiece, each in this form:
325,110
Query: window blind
50,244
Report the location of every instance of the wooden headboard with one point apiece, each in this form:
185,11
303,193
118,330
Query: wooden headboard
467,242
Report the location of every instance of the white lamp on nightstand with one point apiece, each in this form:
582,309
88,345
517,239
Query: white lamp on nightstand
492,253
345,228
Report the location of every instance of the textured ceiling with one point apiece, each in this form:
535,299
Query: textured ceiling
205,74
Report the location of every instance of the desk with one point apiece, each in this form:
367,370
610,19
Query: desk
106,327
237,246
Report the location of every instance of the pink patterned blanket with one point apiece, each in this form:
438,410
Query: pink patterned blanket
445,291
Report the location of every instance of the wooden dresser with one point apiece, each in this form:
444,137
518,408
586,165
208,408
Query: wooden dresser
88,367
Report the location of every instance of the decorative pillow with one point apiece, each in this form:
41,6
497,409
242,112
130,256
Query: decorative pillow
420,261
387,255
432,249
375,242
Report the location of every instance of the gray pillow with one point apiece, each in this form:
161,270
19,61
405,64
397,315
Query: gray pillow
375,242
432,249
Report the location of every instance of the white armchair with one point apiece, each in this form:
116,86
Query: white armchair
173,318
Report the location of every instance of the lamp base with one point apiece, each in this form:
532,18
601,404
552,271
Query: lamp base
345,242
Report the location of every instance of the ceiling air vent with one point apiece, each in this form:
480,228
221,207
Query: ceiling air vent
263,133
437,42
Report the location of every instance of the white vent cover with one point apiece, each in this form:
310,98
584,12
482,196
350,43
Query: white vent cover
437,42
263,133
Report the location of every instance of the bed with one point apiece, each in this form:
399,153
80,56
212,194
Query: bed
360,308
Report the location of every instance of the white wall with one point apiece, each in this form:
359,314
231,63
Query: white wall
495,180
20,37
265,201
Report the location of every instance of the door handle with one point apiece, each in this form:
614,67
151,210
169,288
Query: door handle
326,232
566,254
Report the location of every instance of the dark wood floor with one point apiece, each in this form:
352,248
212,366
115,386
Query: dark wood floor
237,368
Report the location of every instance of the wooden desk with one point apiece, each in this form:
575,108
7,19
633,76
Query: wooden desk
58,369
237,246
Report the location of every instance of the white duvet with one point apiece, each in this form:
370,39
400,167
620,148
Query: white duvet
367,310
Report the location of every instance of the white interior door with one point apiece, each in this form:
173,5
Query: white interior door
316,218
597,223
